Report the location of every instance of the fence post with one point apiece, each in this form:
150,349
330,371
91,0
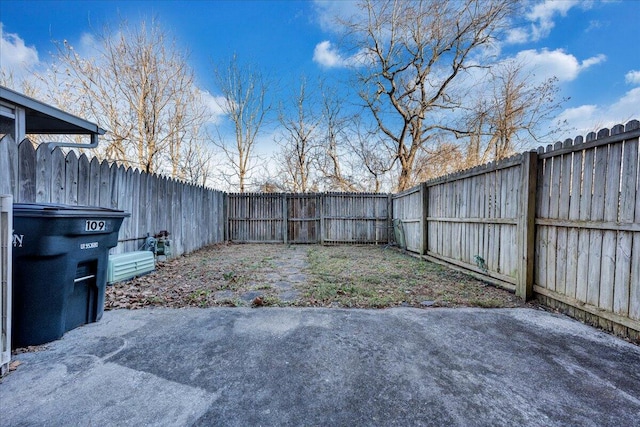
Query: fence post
526,225
424,197
321,198
285,220
225,217
390,236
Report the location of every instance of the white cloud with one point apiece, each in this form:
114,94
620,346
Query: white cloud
633,77
626,108
590,118
15,56
517,36
594,25
542,15
327,56
549,63
331,14
215,105
579,118
88,43
542,20
594,60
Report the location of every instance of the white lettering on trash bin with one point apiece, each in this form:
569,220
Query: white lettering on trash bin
17,240
91,245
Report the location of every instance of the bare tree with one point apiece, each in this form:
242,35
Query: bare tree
185,141
442,159
374,156
136,83
196,163
299,140
20,84
412,53
245,92
509,111
27,85
335,154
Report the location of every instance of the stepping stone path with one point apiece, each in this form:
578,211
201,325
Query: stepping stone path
288,271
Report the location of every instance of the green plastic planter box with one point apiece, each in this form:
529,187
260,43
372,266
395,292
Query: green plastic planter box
60,256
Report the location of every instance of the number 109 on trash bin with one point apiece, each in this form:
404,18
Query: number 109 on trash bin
94,225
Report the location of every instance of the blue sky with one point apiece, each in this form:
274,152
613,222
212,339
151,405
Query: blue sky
593,47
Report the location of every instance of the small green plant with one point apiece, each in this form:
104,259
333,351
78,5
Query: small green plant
486,303
230,276
199,297
230,302
270,301
155,300
481,263
381,301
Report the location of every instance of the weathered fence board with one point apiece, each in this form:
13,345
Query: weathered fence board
43,175
408,211
354,218
58,181
303,218
542,205
84,182
628,194
600,272
26,190
71,179
552,232
257,218
573,235
583,235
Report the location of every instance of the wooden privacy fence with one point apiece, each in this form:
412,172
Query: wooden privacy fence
588,224
327,218
563,222
473,219
193,215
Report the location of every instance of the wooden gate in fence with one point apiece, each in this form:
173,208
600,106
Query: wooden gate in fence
327,218
303,218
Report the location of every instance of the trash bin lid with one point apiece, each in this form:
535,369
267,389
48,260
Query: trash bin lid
64,211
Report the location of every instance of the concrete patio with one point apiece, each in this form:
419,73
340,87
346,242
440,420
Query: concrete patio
297,366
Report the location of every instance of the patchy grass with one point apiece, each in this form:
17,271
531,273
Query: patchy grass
332,276
371,277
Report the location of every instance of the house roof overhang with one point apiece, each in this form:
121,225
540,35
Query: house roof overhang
41,118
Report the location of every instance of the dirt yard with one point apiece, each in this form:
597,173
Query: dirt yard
302,276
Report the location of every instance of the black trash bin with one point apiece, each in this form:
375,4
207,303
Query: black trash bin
60,256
